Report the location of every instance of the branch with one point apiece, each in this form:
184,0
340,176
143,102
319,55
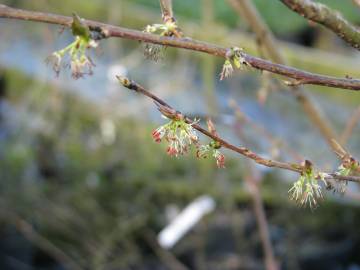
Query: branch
114,31
167,10
350,125
329,18
357,2
163,106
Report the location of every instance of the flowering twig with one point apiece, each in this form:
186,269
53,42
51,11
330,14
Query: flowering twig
223,143
333,20
185,43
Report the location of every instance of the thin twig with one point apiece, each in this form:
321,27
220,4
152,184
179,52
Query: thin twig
167,10
27,230
253,179
114,31
350,125
329,18
240,150
357,2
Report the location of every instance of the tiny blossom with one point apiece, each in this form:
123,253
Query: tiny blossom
179,134
155,52
220,158
343,171
80,63
55,61
340,184
205,150
227,70
306,190
234,56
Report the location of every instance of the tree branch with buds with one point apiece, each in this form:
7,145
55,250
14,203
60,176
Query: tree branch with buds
107,31
171,113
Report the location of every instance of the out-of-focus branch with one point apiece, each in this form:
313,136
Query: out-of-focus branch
258,206
357,2
38,240
172,113
253,179
350,125
167,10
246,9
347,160
169,18
106,30
329,18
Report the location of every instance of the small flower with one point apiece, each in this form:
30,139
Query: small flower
306,190
155,52
158,134
167,29
311,195
55,61
81,66
343,170
80,63
235,56
220,158
227,70
179,134
204,151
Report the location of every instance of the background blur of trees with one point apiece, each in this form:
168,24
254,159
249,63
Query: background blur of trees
83,186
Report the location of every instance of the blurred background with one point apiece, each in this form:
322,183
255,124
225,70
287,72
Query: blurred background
83,185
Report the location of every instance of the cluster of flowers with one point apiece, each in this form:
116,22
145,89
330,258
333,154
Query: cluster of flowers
306,190
234,56
180,136
204,151
80,63
345,169
168,29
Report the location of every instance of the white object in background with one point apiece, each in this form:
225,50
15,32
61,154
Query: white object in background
187,218
114,70
108,131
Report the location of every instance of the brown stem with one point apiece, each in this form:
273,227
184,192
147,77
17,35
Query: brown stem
350,125
329,18
185,43
172,113
167,10
253,179
259,211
